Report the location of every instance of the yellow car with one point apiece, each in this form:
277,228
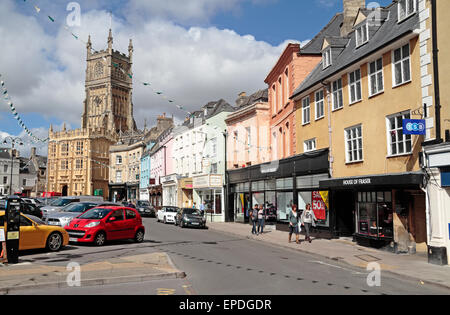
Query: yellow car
34,234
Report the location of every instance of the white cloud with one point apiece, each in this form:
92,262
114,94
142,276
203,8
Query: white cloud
192,65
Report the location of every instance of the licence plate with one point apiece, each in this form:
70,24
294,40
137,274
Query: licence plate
73,240
195,223
54,223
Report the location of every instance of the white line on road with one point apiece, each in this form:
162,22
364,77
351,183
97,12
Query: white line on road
338,267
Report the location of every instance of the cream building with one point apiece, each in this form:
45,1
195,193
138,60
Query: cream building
79,159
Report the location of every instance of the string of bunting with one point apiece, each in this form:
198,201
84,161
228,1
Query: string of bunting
15,114
118,66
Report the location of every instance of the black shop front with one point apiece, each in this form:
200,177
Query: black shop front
280,184
380,211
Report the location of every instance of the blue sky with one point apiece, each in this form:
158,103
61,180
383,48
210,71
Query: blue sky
55,64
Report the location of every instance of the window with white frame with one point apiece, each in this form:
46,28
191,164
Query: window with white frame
398,143
249,136
320,110
286,86
354,79
362,35
338,99
274,99
118,160
214,147
326,58
406,8
402,65
306,110
118,176
376,84
354,144
309,145
280,94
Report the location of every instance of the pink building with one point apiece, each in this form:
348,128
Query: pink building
249,131
161,157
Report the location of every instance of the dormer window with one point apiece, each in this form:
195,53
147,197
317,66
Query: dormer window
406,8
362,35
326,57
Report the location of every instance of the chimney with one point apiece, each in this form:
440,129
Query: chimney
351,8
241,99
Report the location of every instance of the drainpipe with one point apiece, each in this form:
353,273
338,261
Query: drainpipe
330,130
437,95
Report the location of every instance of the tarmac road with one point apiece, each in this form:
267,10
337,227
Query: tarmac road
221,264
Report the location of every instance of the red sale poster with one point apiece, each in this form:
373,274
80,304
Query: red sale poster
318,206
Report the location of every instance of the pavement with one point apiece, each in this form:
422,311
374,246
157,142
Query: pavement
414,267
139,268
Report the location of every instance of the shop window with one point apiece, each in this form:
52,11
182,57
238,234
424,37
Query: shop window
284,205
319,204
375,214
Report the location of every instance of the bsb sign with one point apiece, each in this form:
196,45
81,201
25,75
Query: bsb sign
414,127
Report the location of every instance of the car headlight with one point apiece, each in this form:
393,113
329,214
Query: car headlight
186,219
92,224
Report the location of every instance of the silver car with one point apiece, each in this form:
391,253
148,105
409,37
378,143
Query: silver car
58,204
66,214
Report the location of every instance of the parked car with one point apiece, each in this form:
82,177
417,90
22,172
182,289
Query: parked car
68,213
35,234
31,209
145,209
102,224
167,214
190,217
59,203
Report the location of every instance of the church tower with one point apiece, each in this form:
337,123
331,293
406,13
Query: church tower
109,86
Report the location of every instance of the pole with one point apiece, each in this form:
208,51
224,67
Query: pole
12,166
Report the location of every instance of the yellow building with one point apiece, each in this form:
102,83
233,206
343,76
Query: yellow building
78,160
354,103
435,52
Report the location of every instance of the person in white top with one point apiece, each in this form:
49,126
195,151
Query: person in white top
308,219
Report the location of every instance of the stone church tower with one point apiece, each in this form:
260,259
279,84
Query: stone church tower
109,85
78,160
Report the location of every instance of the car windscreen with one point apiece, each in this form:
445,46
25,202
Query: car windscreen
171,210
36,219
143,204
191,211
75,207
95,214
61,202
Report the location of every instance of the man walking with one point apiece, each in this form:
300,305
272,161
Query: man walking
254,218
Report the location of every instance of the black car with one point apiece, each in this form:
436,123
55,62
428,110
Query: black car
31,209
145,209
190,217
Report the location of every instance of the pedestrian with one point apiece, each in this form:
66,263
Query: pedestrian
194,206
294,224
3,255
202,208
308,219
261,219
254,218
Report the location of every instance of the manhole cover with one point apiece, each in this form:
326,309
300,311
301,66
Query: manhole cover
368,258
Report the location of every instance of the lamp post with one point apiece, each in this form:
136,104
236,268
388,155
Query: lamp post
13,141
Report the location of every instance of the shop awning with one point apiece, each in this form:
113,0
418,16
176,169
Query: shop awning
398,180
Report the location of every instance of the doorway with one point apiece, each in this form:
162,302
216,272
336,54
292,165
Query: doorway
65,191
344,209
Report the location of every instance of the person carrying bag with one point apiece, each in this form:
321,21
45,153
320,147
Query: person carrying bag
294,224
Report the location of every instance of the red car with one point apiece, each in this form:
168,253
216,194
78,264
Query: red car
102,224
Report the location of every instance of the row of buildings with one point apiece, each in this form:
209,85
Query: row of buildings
354,123
22,175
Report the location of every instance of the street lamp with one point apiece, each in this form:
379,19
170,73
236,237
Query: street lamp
13,141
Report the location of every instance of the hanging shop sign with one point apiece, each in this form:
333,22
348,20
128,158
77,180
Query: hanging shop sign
414,127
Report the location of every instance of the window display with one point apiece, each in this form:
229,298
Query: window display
319,204
375,215
285,201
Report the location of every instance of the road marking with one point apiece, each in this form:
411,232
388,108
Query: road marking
330,265
166,292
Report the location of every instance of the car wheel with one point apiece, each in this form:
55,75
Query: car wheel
165,222
54,242
100,239
182,224
139,237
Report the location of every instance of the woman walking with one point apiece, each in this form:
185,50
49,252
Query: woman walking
294,221
261,219
308,219
254,218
